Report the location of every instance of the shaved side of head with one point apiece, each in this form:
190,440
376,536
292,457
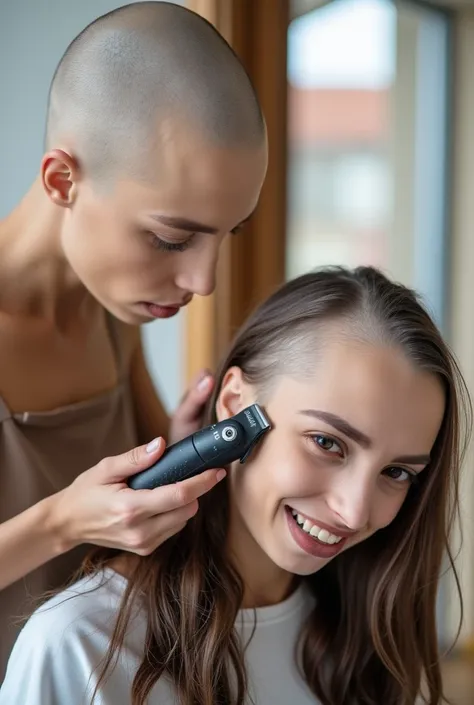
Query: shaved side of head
135,71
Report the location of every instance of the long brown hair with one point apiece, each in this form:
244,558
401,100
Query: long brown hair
372,636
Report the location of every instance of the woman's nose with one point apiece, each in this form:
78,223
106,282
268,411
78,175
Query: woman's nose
197,272
352,499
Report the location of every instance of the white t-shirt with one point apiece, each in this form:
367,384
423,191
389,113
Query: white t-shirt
56,656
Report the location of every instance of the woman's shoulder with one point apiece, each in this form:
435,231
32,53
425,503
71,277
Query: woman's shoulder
91,602
65,640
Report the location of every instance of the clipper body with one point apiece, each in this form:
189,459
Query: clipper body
215,446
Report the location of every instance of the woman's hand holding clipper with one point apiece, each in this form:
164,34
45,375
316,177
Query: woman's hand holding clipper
99,507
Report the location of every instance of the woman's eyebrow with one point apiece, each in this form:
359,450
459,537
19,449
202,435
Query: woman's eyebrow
359,437
184,224
192,226
341,425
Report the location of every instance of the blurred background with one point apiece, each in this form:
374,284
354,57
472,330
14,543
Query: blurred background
370,111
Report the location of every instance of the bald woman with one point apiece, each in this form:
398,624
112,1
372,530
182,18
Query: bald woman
155,150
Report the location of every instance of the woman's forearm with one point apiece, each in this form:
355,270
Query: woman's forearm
28,541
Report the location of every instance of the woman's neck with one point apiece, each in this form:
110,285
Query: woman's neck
36,278
266,592
265,583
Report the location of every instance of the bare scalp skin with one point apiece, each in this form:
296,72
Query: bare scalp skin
134,73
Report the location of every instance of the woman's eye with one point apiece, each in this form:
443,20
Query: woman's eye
164,246
327,444
401,475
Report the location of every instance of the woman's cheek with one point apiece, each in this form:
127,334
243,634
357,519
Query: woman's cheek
292,473
279,469
386,509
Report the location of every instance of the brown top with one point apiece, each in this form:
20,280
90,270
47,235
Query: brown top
40,454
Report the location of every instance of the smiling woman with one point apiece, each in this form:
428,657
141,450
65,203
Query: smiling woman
310,574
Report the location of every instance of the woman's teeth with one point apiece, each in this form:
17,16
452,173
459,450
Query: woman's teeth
314,530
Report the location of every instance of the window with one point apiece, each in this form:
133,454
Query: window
367,125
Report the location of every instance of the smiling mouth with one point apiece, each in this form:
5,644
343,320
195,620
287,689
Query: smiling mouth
315,531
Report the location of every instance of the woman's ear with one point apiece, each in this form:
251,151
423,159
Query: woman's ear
60,175
235,394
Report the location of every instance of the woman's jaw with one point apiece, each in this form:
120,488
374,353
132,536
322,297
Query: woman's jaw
271,572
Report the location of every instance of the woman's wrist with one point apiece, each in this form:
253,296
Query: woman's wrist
56,525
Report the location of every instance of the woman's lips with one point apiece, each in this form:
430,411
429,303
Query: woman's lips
310,544
158,311
343,533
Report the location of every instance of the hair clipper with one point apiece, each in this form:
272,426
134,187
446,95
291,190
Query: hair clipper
215,446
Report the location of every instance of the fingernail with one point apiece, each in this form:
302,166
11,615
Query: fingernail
204,382
220,475
153,445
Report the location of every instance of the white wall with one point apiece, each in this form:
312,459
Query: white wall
33,36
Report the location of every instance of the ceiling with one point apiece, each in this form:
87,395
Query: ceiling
301,7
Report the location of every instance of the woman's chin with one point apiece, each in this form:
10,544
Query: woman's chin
303,568
298,564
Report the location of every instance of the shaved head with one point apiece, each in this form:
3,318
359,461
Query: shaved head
138,74
156,150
